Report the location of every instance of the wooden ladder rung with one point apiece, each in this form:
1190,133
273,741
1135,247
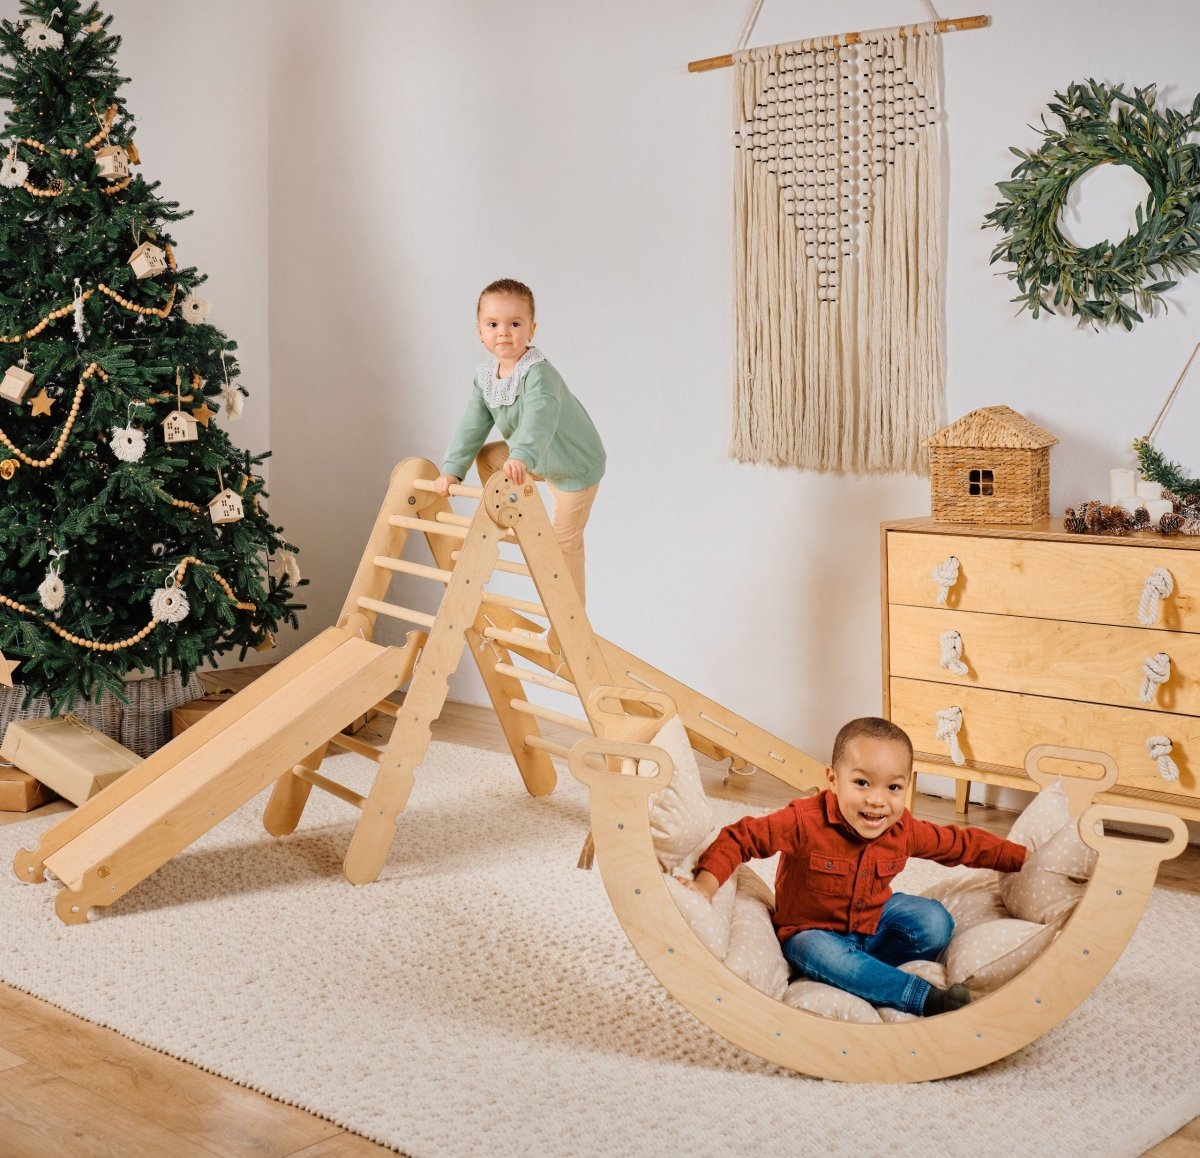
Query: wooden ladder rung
551,716
407,568
388,708
359,747
502,565
543,745
452,519
330,786
424,484
541,678
431,527
395,611
526,606
518,639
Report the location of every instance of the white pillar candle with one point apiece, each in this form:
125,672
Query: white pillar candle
1149,490
1156,508
1121,482
1131,502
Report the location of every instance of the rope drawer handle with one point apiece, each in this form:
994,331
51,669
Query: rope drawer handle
951,645
1158,586
945,575
1155,671
949,724
1159,748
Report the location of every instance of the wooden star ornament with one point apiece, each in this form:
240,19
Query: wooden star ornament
41,402
7,667
202,413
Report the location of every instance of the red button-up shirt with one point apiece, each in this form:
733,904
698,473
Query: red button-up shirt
829,877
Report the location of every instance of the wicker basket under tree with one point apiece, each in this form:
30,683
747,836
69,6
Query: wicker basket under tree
990,466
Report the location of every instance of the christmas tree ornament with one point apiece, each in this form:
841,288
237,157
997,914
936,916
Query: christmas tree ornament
8,468
286,566
266,643
16,382
180,427
39,36
148,260
158,550
202,413
52,592
194,308
14,173
77,308
231,396
112,162
127,443
7,667
227,506
169,604
131,151
40,403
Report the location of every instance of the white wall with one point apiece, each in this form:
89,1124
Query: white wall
417,151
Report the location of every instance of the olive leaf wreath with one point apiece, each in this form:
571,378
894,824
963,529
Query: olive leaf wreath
1106,282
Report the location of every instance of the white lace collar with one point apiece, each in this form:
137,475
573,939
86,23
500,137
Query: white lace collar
503,391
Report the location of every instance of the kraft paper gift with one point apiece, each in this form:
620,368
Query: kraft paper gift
67,755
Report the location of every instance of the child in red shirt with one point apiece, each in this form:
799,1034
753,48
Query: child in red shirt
835,915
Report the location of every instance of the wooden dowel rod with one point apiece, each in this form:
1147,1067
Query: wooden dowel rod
395,611
330,786
403,565
388,708
542,678
424,484
451,519
501,565
359,747
518,639
513,603
426,525
959,24
551,716
544,745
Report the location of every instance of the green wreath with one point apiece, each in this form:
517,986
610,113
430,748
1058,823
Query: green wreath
1105,282
1169,475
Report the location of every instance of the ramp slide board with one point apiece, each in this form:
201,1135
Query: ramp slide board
194,782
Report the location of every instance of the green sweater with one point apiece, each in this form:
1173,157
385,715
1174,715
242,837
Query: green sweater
546,427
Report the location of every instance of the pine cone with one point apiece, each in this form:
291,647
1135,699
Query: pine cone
1073,523
1141,519
1170,523
1191,527
1091,515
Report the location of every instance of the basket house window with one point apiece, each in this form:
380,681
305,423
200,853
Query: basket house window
981,482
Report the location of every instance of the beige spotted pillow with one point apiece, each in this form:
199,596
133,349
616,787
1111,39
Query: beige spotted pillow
829,1001
680,816
1052,879
1043,816
985,957
971,897
754,952
711,921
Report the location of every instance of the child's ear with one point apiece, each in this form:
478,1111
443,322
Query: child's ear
830,776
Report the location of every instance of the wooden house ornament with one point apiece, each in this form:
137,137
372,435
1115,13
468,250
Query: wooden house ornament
148,260
226,507
112,162
16,383
180,427
990,466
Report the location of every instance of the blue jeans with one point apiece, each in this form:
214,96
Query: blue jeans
910,929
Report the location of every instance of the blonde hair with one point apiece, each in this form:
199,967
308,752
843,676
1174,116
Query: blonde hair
874,728
508,285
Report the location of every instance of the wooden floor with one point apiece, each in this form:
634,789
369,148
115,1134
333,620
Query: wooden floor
70,1089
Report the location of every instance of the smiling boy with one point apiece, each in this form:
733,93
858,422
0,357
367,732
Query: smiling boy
836,916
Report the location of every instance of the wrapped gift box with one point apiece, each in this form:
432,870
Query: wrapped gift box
184,716
20,792
67,755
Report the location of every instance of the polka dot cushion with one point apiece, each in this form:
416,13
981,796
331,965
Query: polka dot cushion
1052,880
929,971
754,951
828,1001
680,816
710,921
971,897
985,957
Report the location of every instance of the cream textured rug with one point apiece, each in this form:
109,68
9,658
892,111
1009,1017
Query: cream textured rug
480,998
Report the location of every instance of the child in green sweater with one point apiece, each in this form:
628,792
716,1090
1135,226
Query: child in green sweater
550,436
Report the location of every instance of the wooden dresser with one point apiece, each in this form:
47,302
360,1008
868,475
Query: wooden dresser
1050,633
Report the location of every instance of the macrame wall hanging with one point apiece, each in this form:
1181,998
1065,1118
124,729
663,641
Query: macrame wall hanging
838,248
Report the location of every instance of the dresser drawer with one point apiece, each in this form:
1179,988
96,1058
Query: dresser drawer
1079,581
999,728
1046,657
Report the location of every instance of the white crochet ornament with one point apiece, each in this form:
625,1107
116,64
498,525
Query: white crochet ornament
127,443
14,173
231,396
169,605
38,36
286,567
51,591
194,308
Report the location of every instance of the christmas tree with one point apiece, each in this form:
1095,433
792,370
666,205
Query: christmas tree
132,532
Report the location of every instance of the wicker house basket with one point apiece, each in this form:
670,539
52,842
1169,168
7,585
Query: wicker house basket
990,466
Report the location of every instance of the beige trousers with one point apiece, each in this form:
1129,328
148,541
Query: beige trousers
570,515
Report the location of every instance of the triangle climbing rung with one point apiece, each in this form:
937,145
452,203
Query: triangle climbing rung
395,611
541,678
